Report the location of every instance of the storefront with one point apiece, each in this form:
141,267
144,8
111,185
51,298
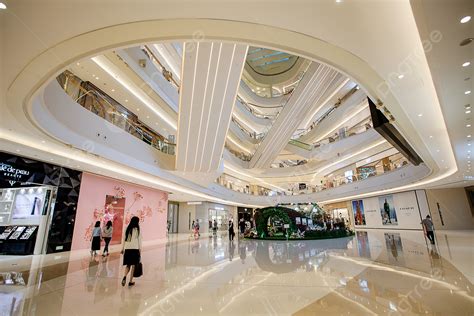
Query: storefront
38,203
205,213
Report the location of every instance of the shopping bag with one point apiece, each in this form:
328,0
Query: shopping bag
138,272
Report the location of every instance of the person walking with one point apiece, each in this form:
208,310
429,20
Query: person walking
96,235
193,228
107,235
214,228
231,230
428,228
196,229
131,249
242,226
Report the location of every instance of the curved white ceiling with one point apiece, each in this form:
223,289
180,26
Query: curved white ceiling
315,34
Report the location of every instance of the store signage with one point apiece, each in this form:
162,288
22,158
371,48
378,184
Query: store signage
12,172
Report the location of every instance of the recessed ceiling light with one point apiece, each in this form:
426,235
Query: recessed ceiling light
43,141
437,150
466,19
147,116
3,6
113,90
126,100
78,64
420,115
97,78
468,136
467,92
467,63
468,111
469,144
401,76
468,125
431,136
138,109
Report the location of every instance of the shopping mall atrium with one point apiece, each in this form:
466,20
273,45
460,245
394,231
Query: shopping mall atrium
236,157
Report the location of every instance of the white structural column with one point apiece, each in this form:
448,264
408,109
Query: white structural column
210,79
317,84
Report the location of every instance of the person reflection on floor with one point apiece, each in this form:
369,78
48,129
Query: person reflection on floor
242,252
393,248
231,250
214,241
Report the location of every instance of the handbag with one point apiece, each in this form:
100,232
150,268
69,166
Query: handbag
138,271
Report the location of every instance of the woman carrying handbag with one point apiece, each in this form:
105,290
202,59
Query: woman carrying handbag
131,251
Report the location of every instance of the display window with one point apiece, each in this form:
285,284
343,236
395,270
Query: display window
41,195
24,211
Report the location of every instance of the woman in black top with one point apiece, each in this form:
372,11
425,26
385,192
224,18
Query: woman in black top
231,230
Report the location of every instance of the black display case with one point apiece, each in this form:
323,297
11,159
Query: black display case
18,239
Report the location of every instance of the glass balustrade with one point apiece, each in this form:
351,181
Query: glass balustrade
347,132
336,179
95,100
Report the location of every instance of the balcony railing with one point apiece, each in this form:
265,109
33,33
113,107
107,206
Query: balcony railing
369,170
95,100
355,130
241,186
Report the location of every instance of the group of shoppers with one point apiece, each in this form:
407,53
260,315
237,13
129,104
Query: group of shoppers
195,228
98,234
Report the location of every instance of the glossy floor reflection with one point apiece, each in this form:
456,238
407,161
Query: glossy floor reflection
374,272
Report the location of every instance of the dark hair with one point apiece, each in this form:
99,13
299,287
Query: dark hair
134,223
97,224
109,224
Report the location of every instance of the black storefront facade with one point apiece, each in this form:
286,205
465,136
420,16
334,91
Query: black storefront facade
38,203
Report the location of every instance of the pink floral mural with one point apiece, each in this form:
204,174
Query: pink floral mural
148,204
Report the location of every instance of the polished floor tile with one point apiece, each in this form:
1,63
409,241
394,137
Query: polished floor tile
373,273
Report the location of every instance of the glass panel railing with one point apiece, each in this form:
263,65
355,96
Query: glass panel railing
251,134
241,186
345,176
355,130
95,100
238,154
338,178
